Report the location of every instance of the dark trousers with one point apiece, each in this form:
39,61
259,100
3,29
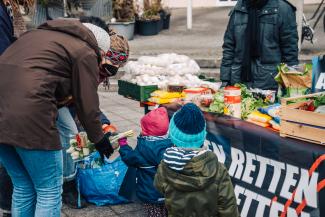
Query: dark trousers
5,190
155,210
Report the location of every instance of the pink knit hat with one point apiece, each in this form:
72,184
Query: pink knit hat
155,123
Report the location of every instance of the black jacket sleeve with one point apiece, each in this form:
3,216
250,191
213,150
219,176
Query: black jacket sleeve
228,50
288,34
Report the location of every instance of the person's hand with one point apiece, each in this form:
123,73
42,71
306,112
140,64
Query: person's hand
225,84
123,141
104,147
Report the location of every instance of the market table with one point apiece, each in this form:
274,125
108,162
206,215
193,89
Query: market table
266,169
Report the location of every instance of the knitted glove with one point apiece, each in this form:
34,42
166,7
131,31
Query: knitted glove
104,147
123,142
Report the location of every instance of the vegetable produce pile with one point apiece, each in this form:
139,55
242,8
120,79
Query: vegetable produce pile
218,103
314,105
319,101
258,107
164,70
163,97
81,147
248,102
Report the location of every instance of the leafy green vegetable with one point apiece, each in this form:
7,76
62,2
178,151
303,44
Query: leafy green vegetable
245,93
319,100
301,69
293,79
248,102
218,103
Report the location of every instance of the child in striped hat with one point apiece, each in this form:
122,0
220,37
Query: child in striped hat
190,177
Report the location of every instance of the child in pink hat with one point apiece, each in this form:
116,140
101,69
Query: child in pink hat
151,145
155,123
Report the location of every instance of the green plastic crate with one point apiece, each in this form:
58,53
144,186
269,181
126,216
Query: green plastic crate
210,79
134,91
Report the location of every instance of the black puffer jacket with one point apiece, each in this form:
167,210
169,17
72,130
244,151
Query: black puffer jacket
278,43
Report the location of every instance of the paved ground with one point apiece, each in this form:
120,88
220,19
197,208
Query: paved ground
204,40
206,37
122,112
129,210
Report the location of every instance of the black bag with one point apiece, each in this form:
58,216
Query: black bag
318,74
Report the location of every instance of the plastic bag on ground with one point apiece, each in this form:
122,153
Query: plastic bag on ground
100,183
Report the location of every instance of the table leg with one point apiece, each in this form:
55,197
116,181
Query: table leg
146,109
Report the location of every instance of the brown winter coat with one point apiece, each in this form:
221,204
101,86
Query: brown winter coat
42,68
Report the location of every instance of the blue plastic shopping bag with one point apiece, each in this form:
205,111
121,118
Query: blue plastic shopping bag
99,183
318,74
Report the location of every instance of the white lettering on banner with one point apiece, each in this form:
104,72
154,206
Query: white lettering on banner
250,196
321,81
307,187
289,181
218,150
292,213
249,168
261,174
276,209
238,191
263,202
303,214
285,178
237,164
277,166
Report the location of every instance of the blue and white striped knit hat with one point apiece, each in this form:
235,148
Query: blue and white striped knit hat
187,128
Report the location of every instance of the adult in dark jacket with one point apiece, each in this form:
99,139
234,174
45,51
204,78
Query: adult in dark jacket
44,67
260,35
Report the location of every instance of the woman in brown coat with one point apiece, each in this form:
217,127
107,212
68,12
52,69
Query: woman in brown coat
43,68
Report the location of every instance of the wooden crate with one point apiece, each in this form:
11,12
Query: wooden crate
300,124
